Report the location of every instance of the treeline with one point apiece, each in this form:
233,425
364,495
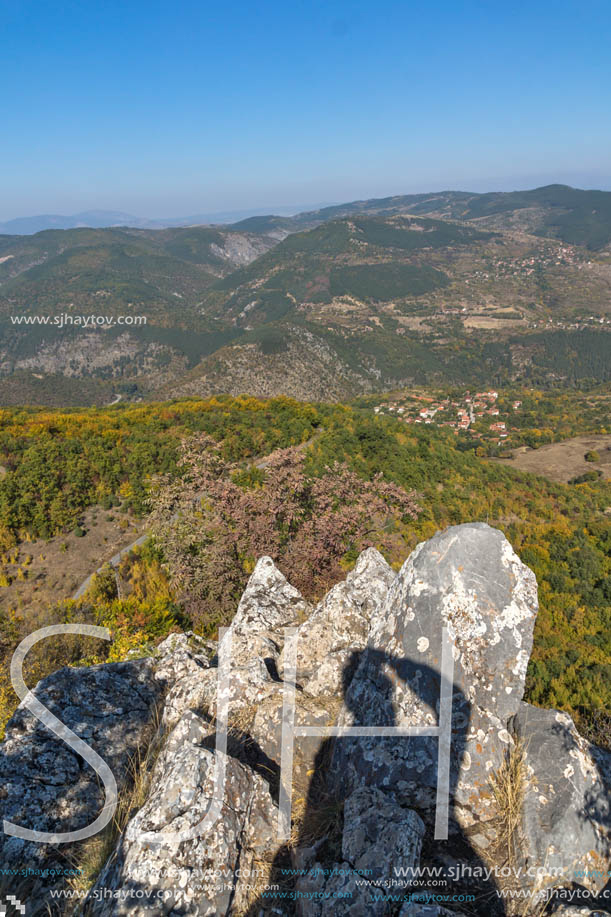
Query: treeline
56,464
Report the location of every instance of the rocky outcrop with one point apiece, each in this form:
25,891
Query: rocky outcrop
567,804
268,605
340,625
199,875
183,666
368,655
48,787
379,836
469,580
327,640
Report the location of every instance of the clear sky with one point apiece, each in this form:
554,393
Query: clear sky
172,108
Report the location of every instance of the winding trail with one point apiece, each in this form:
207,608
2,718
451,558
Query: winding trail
114,561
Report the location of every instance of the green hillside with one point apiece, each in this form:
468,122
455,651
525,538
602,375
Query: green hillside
116,270
372,258
120,276
577,217
57,464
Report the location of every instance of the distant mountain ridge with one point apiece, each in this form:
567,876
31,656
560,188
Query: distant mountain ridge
91,219
554,211
109,219
579,217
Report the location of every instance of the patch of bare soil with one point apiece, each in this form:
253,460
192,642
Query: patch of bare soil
58,566
565,460
491,322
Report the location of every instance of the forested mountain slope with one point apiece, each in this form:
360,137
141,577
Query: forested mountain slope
360,297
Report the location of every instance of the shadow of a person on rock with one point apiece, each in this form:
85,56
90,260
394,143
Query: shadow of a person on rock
404,770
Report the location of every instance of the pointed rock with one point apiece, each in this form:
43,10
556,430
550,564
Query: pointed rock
339,626
469,580
269,604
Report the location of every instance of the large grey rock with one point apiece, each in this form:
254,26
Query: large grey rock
182,666
268,605
182,656
379,836
45,785
207,875
372,644
266,730
339,625
468,579
567,805
192,692
325,643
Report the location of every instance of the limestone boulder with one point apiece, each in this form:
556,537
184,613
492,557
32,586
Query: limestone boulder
339,626
469,580
566,823
209,874
45,785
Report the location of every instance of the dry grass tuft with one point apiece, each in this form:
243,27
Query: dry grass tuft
260,876
317,814
315,820
241,719
508,786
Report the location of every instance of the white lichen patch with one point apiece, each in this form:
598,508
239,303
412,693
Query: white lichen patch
521,664
418,587
586,765
563,718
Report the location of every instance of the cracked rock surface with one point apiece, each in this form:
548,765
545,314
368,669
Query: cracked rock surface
46,786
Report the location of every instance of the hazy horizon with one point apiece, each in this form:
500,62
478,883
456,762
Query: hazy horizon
288,209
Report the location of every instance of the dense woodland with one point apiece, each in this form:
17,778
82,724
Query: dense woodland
329,461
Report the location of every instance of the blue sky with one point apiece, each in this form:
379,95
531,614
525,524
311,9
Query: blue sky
167,109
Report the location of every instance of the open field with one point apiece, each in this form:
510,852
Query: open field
565,460
53,568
